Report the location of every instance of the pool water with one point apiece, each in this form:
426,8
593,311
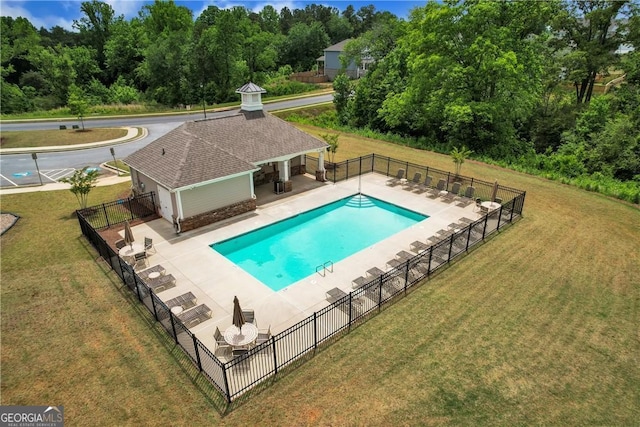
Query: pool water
290,250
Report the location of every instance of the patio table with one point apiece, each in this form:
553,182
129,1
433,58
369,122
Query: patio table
237,338
129,251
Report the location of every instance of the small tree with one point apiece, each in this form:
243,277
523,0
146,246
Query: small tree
77,103
82,181
459,155
332,140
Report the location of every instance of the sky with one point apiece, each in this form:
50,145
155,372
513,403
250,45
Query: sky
49,13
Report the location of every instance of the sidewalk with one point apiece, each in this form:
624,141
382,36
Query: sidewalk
103,180
133,134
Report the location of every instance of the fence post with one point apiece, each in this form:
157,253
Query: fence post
275,358
406,278
130,209
227,393
466,249
379,293
484,226
195,346
350,310
173,326
499,218
450,247
106,217
315,330
153,304
430,257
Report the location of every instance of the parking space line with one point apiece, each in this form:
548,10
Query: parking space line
4,177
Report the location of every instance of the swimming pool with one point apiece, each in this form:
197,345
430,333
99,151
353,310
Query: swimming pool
290,250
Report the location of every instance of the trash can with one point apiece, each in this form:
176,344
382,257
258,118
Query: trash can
278,187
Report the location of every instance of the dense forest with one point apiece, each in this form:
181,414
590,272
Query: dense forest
548,87
164,55
518,83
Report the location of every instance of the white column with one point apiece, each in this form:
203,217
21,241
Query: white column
321,161
285,170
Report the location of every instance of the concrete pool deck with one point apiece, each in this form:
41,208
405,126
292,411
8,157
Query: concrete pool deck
214,280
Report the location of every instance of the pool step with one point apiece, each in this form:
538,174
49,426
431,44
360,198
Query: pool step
360,202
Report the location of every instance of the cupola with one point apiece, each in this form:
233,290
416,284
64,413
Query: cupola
251,97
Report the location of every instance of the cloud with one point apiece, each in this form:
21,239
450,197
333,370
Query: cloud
37,18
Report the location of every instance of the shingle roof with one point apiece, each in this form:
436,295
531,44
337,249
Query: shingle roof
339,47
206,150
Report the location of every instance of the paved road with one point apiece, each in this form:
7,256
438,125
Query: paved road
21,169
159,119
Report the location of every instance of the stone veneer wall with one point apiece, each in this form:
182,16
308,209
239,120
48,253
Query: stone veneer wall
210,217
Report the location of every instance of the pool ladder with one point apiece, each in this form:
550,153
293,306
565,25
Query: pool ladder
324,267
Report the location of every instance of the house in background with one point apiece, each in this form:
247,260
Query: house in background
207,170
330,62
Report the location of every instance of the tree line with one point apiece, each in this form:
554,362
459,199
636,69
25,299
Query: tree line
514,82
164,55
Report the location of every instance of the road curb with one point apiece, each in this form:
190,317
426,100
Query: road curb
140,133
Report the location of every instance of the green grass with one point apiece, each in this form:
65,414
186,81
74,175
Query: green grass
539,326
119,164
50,138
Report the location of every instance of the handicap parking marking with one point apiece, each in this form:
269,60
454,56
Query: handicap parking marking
56,175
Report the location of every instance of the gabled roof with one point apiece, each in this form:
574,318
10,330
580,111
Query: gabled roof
206,150
338,47
250,88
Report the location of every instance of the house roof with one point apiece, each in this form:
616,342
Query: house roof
338,47
206,150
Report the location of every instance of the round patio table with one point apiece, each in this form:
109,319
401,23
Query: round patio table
234,337
130,250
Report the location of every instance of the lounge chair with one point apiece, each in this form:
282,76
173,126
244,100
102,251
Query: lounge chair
162,283
395,181
418,246
467,198
421,188
374,272
359,282
195,316
335,294
435,192
451,195
414,183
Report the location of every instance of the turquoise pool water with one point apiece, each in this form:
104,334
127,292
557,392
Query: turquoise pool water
290,250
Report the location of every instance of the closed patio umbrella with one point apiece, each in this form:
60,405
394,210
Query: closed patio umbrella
238,317
494,192
128,234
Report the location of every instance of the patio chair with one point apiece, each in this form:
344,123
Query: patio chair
263,336
421,188
249,316
221,345
414,183
478,207
395,181
140,261
148,245
120,244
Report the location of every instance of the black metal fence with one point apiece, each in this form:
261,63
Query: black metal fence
235,377
388,166
121,210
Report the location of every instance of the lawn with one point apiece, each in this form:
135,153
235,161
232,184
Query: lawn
537,326
49,138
